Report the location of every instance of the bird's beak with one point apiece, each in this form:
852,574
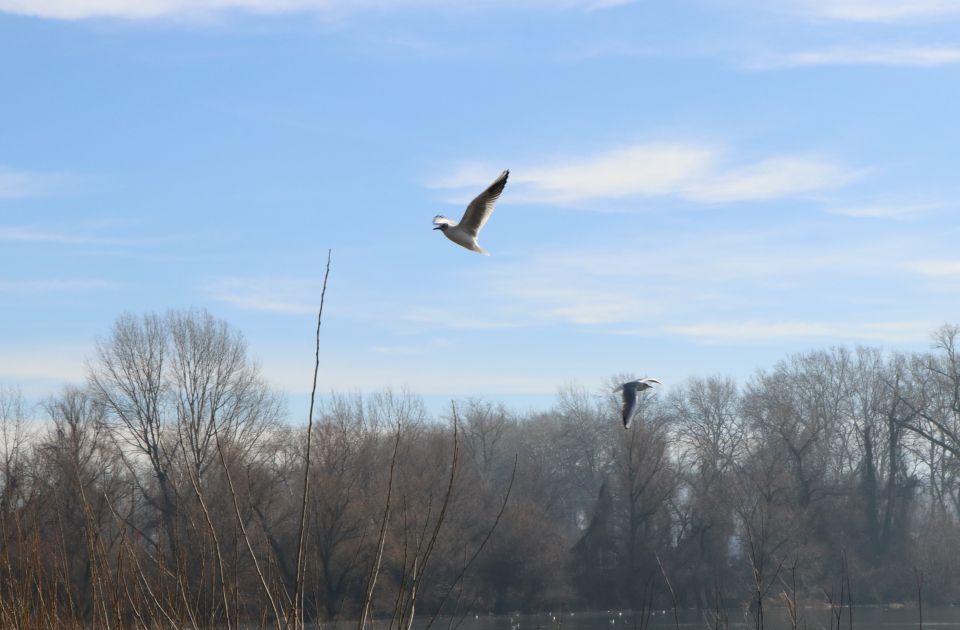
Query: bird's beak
437,228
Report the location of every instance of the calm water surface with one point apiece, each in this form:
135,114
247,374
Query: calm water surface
812,619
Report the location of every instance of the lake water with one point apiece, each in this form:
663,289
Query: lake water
865,618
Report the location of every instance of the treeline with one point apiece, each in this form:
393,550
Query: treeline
168,491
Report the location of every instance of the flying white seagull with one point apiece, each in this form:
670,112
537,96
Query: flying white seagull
478,212
630,397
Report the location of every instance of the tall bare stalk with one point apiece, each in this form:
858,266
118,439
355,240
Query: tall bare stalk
673,594
302,538
789,594
918,574
846,578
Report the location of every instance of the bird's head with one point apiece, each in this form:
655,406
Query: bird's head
441,223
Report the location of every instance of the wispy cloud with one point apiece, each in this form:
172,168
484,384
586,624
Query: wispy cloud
885,211
538,291
914,56
32,235
399,349
781,274
17,184
64,363
577,299
607,4
721,258
47,286
771,178
943,268
152,9
761,331
266,293
693,172
427,345
882,10
347,373
455,319
607,47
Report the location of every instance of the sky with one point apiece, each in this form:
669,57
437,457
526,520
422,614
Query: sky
697,187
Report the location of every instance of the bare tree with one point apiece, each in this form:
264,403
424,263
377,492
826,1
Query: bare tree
178,392
13,446
936,400
710,440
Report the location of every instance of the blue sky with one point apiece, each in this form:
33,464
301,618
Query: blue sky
697,187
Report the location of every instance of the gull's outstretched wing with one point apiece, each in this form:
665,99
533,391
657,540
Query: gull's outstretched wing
649,382
481,208
442,220
629,403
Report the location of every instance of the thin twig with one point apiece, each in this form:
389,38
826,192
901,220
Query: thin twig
846,575
418,577
243,531
375,567
483,543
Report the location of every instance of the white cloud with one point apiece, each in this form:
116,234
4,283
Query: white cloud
151,9
882,10
946,268
263,293
772,178
915,56
746,331
689,171
652,169
639,170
